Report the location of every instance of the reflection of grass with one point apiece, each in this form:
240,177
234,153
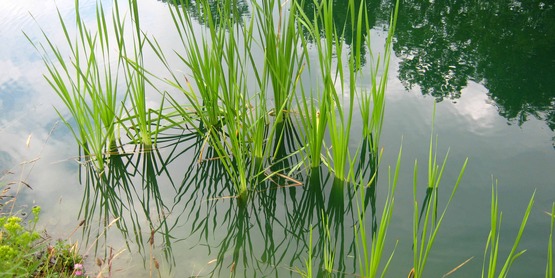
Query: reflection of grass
370,256
228,90
129,190
240,140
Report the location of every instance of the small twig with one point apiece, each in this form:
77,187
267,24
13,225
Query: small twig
457,268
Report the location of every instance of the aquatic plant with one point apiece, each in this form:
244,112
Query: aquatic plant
314,117
491,253
228,96
370,257
372,105
89,82
283,59
140,124
86,83
429,219
549,266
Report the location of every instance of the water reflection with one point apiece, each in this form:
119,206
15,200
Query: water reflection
345,22
213,9
507,46
269,235
133,188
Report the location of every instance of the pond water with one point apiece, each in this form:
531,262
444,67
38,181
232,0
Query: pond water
490,66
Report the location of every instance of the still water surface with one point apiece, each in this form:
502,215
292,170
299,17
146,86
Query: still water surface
490,65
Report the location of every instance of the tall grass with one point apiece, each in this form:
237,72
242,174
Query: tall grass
86,82
282,57
219,69
138,114
370,258
238,104
218,87
429,219
328,108
318,108
372,106
549,266
491,253
340,116
100,73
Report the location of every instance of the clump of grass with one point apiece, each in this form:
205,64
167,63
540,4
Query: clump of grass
315,106
491,253
86,83
370,257
372,105
549,266
224,113
219,93
328,108
282,58
88,79
429,218
140,124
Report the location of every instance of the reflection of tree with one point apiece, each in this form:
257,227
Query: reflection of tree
342,21
517,59
506,45
214,8
432,40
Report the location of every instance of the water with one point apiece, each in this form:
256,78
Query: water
490,66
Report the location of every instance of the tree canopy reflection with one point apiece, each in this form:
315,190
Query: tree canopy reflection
507,46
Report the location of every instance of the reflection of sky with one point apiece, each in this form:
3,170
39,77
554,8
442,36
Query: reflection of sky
26,100
521,157
474,104
471,126
22,87
27,111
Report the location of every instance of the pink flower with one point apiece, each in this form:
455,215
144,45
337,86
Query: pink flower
78,269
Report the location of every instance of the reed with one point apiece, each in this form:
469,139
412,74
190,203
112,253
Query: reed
218,69
339,116
370,257
372,105
86,83
491,253
314,106
429,218
142,127
549,266
230,111
314,124
282,58
327,109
